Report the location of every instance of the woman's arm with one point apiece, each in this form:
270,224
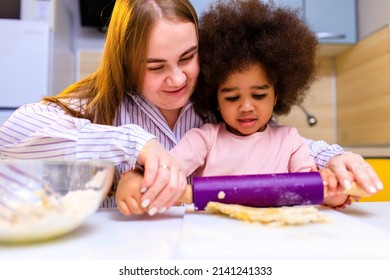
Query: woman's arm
39,131
322,152
348,167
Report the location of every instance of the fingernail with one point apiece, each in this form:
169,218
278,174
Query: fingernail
143,189
145,203
379,185
152,211
372,189
347,184
162,210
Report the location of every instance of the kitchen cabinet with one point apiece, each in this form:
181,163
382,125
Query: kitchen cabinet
294,4
201,6
334,21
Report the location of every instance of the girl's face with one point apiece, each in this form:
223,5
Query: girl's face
246,100
172,65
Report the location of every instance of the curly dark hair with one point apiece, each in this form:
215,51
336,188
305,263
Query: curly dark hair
235,34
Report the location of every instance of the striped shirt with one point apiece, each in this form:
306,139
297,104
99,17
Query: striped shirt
45,131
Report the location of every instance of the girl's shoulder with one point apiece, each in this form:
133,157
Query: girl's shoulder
284,130
207,128
207,131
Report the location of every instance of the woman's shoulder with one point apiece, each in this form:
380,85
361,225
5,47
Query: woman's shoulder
41,107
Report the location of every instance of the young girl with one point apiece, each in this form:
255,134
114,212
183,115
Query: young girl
256,61
244,142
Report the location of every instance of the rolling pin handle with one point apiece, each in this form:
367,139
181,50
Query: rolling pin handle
187,198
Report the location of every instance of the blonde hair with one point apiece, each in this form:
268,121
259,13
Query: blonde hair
122,67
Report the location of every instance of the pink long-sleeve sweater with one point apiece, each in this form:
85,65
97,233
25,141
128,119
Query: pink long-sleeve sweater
212,151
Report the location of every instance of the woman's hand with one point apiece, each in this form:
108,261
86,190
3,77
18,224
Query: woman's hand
164,181
350,167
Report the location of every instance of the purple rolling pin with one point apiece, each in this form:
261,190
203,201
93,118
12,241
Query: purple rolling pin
263,190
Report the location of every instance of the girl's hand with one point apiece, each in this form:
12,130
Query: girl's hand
128,195
335,196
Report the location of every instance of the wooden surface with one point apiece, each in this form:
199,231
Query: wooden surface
321,103
363,92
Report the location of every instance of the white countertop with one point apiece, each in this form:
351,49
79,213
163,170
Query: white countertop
361,231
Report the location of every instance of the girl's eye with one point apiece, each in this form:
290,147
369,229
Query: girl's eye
232,98
259,96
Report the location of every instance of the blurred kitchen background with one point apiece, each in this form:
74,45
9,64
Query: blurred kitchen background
48,44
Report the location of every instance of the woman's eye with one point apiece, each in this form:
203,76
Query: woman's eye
187,58
155,68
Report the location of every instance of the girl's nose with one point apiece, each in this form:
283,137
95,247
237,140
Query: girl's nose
246,106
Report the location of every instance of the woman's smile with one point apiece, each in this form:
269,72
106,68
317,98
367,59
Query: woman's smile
178,91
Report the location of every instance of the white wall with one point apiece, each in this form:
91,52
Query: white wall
372,15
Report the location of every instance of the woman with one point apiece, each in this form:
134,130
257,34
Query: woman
142,88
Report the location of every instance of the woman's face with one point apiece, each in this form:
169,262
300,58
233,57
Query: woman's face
246,100
172,65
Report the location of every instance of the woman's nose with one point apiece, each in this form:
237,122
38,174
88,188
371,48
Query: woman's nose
177,77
